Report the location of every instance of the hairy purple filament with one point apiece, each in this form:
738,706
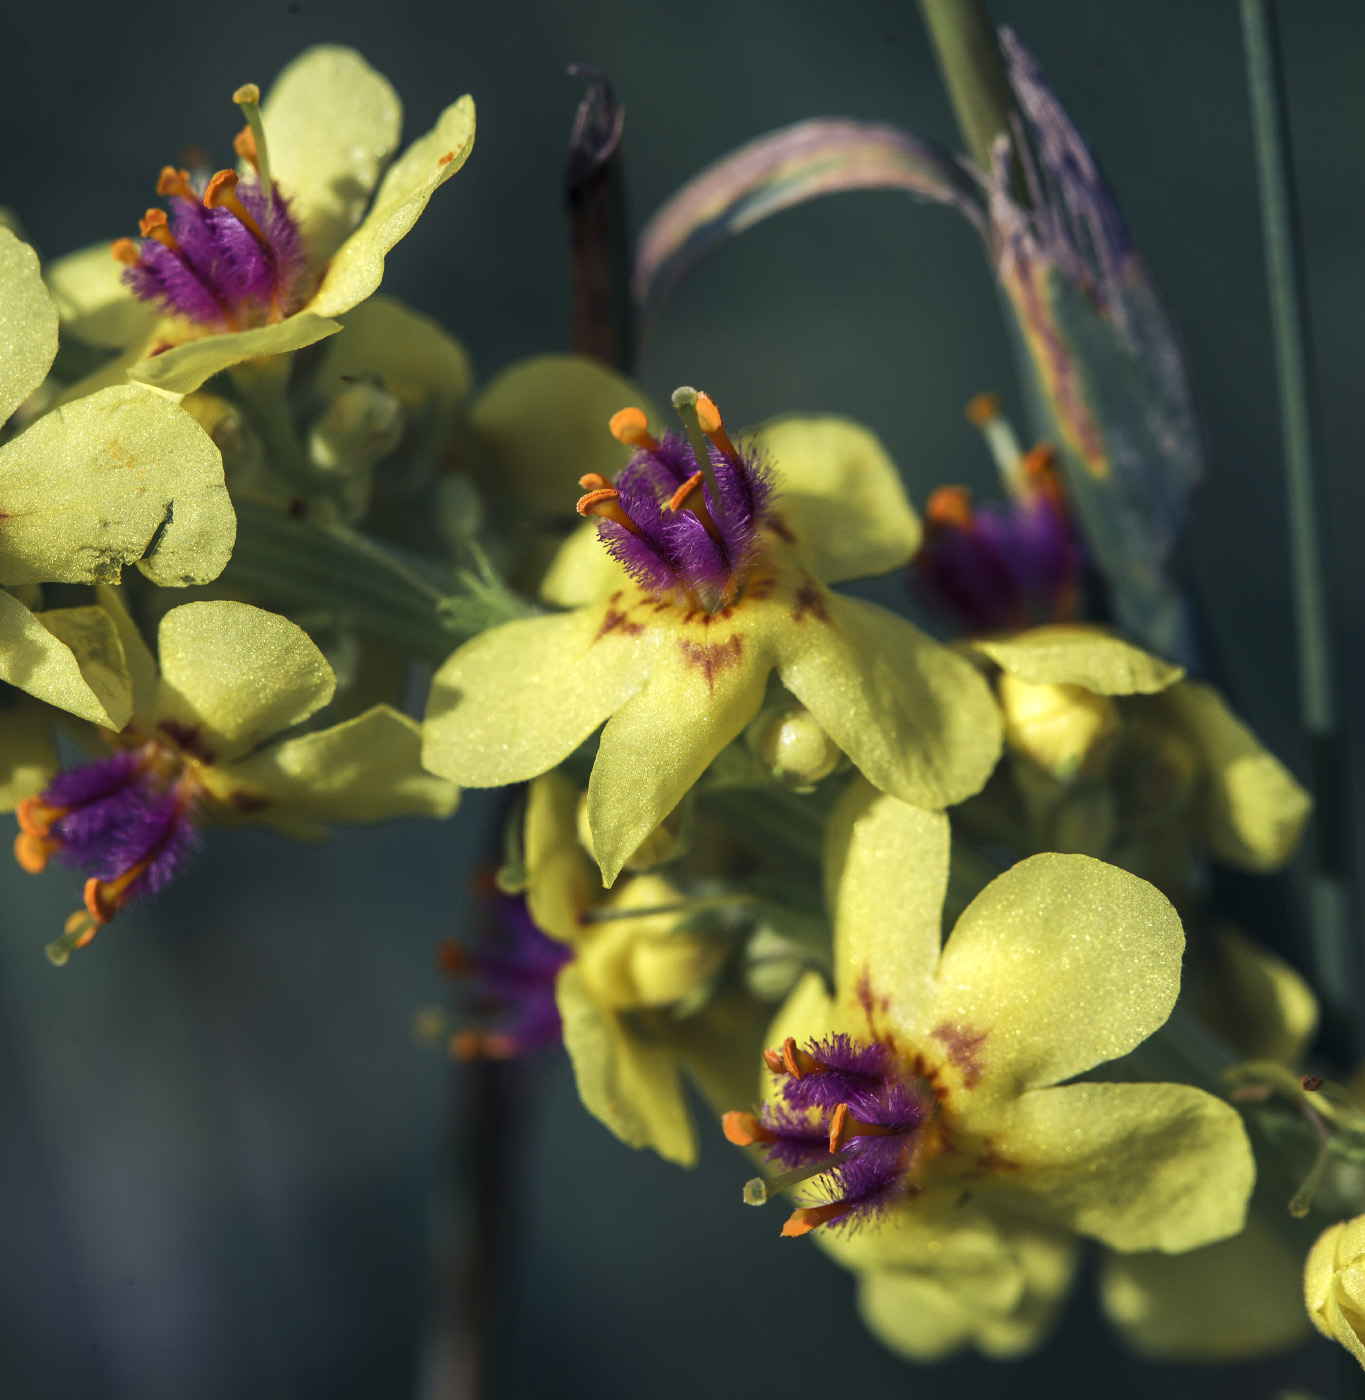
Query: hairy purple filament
703,553
842,1096
213,269
1006,566
511,978
127,821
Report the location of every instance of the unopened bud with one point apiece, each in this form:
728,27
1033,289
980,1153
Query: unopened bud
789,742
1060,727
1334,1285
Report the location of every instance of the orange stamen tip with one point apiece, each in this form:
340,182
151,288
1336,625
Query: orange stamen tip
32,852
244,143
174,182
153,218
474,1045
791,1060
35,817
983,409
680,497
125,251
743,1129
593,481
838,1126
248,92
627,424
221,191
593,502
708,415
452,958
773,1059
799,1223
1040,462
100,900
950,505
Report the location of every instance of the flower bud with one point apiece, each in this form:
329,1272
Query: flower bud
1334,1284
792,746
1060,727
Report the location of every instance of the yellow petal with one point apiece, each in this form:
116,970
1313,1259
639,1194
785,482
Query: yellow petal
183,368
93,301
332,124
28,750
366,769
1136,1166
1255,1002
121,477
238,674
1252,812
582,571
1318,1271
544,421
28,324
916,719
137,656
886,873
519,698
629,1084
93,638
561,881
840,494
914,1315
38,662
426,370
1058,965
357,268
1229,1301
1072,654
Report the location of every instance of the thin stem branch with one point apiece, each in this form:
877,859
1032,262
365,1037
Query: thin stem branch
973,71
1337,958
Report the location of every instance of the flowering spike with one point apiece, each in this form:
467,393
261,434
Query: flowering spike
630,426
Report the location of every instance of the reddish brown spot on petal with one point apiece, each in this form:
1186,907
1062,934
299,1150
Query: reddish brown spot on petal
446,159
963,1045
712,658
781,529
187,739
614,620
810,601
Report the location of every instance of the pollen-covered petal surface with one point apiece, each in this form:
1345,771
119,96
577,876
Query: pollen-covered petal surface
840,494
237,675
701,692
357,267
366,769
915,718
886,873
183,368
1252,812
561,880
28,324
1135,1166
332,124
631,1085
94,303
1072,654
1059,964
38,661
1230,1301
519,698
121,477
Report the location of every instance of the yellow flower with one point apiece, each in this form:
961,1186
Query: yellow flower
677,676
1112,753
199,748
928,1092
1334,1284
637,957
332,125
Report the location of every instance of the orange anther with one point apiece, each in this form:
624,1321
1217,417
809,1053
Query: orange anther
35,817
33,853
475,1045
104,898
837,1124
843,1126
708,416
606,502
593,481
631,427
797,1062
983,409
773,1059
125,251
950,506
452,958
153,225
807,1218
175,182
690,496
743,1129
221,193
244,143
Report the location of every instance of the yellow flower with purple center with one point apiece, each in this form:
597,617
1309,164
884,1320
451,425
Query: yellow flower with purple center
708,572
258,261
200,746
926,1099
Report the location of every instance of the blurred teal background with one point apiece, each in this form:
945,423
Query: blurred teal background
221,1154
